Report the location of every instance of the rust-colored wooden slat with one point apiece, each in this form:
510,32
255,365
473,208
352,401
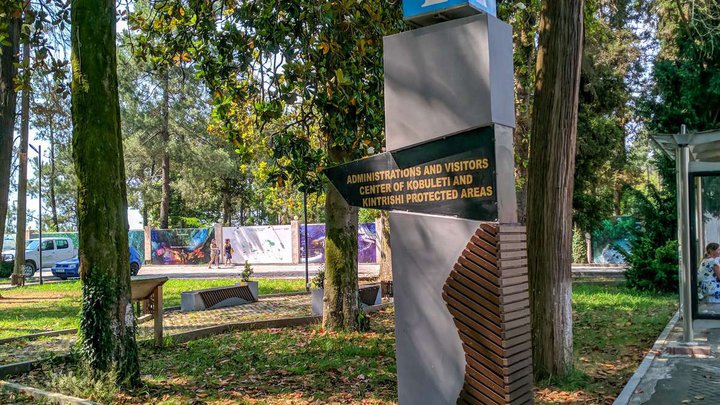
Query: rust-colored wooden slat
477,249
513,333
520,302
488,246
515,380
454,283
511,237
482,263
506,281
477,278
487,237
514,289
481,396
490,373
478,375
485,313
468,397
492,306
512,254
469,311
520,365
513,302
485,356
512,263
512,342
510,246
512,228
513,315
480,368
465,262
479,331
486,389
511,351
509,325
489,228
514,272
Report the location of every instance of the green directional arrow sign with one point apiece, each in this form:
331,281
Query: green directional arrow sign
451,176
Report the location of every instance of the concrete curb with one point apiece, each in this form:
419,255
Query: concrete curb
52,397
139,320
34,336
634,381
25,366
240,326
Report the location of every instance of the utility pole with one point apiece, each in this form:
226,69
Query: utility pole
18,277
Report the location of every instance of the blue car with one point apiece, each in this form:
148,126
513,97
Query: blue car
71,268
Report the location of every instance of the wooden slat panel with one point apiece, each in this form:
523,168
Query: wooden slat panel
511,237
488,246
487,295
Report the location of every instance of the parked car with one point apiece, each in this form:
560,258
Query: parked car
71,268
53,251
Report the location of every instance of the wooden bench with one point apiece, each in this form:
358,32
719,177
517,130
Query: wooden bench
148,290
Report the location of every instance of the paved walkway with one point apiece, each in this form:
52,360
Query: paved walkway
681,379
175,322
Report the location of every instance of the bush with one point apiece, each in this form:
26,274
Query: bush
653,268
653,254
247,272
6,268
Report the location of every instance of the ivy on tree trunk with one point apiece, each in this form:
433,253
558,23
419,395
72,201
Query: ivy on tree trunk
340,299
107,326
550,184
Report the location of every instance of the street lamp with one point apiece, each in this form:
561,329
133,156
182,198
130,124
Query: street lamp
39,152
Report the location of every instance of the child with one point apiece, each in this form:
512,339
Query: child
228,252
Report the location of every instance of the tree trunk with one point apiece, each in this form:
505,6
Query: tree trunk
226,203
8,71
340,300
550,184
107,327
524,42
53,173
165,132
385,252
17,278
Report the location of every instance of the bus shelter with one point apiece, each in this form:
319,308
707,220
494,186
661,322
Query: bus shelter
697,159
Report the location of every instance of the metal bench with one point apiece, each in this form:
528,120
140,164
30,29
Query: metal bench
148,290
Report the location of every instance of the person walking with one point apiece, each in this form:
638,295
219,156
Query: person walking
214,254
228,252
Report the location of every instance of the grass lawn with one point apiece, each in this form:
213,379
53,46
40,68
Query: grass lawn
56,306
614,327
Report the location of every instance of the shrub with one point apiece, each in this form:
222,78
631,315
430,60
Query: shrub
653,253
6,268
247,272
318,280
653,268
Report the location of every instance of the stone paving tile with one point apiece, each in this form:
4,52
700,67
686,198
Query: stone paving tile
174,322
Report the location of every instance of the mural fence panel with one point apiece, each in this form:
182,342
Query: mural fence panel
612,238
181,246
367,243
259,244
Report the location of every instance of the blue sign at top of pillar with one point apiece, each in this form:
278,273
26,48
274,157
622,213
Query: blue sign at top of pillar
420,10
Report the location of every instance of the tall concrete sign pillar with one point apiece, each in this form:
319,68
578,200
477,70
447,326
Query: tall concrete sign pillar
462,313
443,80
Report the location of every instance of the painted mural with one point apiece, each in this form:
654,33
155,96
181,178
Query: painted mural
367,243
260,244
136,239
181,246
612,238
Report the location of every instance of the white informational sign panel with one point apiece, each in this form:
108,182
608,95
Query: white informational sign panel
259,244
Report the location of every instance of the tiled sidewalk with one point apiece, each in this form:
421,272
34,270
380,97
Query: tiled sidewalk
174,322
